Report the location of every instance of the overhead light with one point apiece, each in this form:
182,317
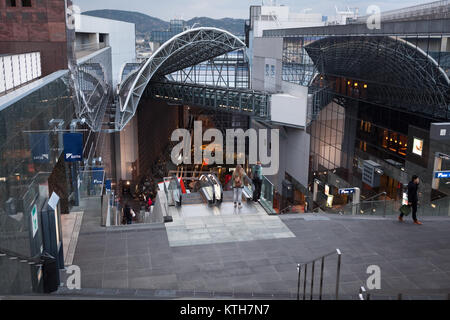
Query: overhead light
356,84
365,86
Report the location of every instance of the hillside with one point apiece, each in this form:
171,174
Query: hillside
145,23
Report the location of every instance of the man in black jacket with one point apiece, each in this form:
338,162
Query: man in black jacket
412,199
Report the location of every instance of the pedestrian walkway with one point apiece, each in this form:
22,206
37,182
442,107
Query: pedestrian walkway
202,224
145,258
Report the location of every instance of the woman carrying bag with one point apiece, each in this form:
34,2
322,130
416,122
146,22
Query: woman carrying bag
238,185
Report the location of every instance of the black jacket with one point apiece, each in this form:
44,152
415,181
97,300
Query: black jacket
412,192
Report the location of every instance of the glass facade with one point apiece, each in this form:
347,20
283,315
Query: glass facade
25,170
297,66
230,70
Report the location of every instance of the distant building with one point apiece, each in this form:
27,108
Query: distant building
92,34
269,17
175,27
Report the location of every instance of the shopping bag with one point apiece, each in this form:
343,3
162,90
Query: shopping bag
405,209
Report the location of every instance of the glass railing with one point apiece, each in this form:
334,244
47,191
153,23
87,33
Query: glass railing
91,182
391,207
267,192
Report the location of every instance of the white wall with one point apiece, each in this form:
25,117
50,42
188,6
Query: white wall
290,107
121,38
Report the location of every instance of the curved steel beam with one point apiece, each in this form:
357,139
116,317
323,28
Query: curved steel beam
183,50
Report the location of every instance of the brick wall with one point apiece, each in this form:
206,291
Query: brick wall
41,27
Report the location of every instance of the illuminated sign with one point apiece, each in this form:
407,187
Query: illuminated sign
417,146
330,201
346,191
327,189
442,174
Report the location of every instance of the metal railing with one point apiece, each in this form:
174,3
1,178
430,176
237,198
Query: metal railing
18,69
11,255
436,9
364,294
304,266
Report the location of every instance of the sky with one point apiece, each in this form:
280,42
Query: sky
187,9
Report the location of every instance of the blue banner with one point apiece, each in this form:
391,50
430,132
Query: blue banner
40,147
108,185
442,174
97,175
346,191
73,147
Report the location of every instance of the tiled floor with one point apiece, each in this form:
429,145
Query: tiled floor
70,224
410,256
198,224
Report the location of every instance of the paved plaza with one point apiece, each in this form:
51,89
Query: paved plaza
152,257
197,224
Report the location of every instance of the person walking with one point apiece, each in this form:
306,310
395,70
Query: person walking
238,185
128,214
257,180
413,185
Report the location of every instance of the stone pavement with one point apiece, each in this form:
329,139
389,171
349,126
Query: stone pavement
410,257
201,224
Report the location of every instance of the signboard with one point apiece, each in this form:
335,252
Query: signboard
442,174
327,190
40,147
417,146
34,220
346,191
73,147
330,201
97,176
108,185
53,201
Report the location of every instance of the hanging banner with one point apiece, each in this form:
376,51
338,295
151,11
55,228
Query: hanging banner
40,147
73,147
97,175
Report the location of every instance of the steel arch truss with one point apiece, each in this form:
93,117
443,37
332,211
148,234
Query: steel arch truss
91,93
182,51
399,74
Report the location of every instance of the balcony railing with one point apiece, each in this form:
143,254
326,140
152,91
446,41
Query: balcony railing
84,49
18,69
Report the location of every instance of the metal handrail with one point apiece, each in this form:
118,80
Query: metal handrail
322,266
364,294
36,260
377,195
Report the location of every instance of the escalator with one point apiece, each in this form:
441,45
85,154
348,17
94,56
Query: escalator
210,188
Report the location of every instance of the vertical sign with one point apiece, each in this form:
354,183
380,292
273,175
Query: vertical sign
73,147
40,147
34,220
97,176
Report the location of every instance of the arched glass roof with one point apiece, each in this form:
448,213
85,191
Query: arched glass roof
400,74
183,50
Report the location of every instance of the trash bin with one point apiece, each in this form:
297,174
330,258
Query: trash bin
50,273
